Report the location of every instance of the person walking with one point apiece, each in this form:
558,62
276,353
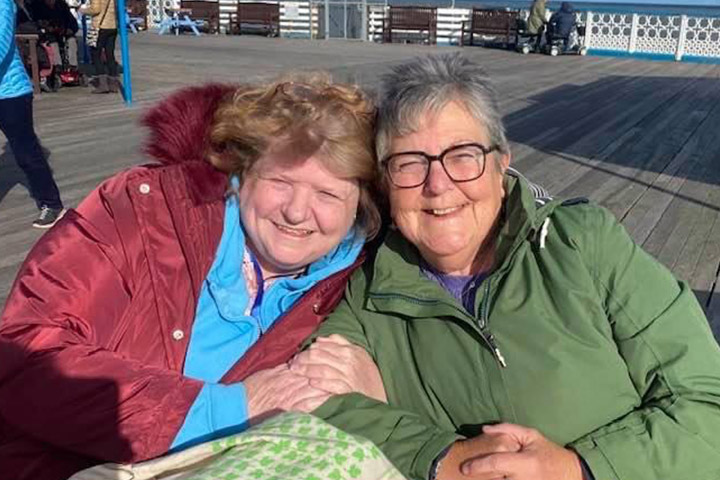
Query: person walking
16,122
105,22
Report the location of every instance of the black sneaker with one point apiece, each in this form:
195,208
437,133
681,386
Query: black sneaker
48,217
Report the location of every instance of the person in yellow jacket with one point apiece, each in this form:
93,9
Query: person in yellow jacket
105,22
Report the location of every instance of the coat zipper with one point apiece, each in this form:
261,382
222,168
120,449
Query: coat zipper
485,331
482,322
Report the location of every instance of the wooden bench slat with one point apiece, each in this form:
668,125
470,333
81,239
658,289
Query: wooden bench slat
138,9
206,11
486,21
263,14
418,19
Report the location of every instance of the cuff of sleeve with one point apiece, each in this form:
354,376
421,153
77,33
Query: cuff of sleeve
595,459
586,472
425,459
436,463
219,410
228,406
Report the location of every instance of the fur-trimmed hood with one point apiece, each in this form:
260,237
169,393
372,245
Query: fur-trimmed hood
179,125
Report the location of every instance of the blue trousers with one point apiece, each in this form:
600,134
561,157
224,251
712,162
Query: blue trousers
16,123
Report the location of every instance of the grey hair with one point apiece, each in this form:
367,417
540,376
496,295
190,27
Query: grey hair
424,86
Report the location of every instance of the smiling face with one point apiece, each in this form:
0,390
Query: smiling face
447,221
294,210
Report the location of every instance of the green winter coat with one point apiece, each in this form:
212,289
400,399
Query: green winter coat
536,19
605,351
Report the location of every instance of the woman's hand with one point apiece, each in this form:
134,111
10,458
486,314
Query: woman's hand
474,448
337,366
276,390
537,459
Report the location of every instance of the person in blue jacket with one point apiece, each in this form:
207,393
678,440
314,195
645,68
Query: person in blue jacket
16,122
561,23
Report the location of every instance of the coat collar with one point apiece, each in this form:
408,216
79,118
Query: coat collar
396,269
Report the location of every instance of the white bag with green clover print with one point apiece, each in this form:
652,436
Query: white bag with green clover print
289,446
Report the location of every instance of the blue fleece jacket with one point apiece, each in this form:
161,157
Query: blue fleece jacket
14,80
222,331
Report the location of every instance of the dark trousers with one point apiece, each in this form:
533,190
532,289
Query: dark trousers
106,46
16,123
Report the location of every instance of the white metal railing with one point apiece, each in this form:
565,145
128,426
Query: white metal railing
664,35
678,36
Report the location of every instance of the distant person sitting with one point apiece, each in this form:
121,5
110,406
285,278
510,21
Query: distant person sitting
561,24
59,27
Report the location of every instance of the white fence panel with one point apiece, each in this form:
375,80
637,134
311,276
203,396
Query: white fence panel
227,13
376,15
656,34
610,31
156,10
702,37
449,25
667,35
295,19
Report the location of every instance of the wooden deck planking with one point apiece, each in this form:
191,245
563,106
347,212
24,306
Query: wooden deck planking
633,135
638,151
590,139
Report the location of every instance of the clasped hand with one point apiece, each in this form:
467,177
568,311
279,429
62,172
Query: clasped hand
508,451
330,366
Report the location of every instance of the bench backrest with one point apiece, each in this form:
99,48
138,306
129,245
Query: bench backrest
137,8
486,20
202,10
258,12
412,18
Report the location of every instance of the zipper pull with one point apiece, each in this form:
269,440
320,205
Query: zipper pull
496,351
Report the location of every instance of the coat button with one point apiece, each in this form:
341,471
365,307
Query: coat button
144,188
178,334
316,308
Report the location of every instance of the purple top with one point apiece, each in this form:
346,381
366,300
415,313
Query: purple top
462,287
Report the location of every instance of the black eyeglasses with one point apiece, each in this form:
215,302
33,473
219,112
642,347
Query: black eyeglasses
462,163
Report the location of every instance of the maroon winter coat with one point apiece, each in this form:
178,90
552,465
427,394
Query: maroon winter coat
94,333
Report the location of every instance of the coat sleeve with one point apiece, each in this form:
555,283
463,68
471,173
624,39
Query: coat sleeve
92,9
410,441
7,33
69,19
60,380
672,359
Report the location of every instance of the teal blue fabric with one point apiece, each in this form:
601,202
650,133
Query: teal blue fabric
218,410
14,80
222,333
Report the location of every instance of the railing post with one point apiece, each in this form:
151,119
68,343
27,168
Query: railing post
345,13
633,33
125,54
327,19
588,29
364,21
680,51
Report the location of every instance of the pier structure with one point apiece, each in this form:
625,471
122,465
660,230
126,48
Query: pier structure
659,35
638,137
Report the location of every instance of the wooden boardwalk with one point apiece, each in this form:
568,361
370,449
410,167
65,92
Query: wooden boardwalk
638,137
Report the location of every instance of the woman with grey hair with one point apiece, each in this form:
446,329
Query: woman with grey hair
517,338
